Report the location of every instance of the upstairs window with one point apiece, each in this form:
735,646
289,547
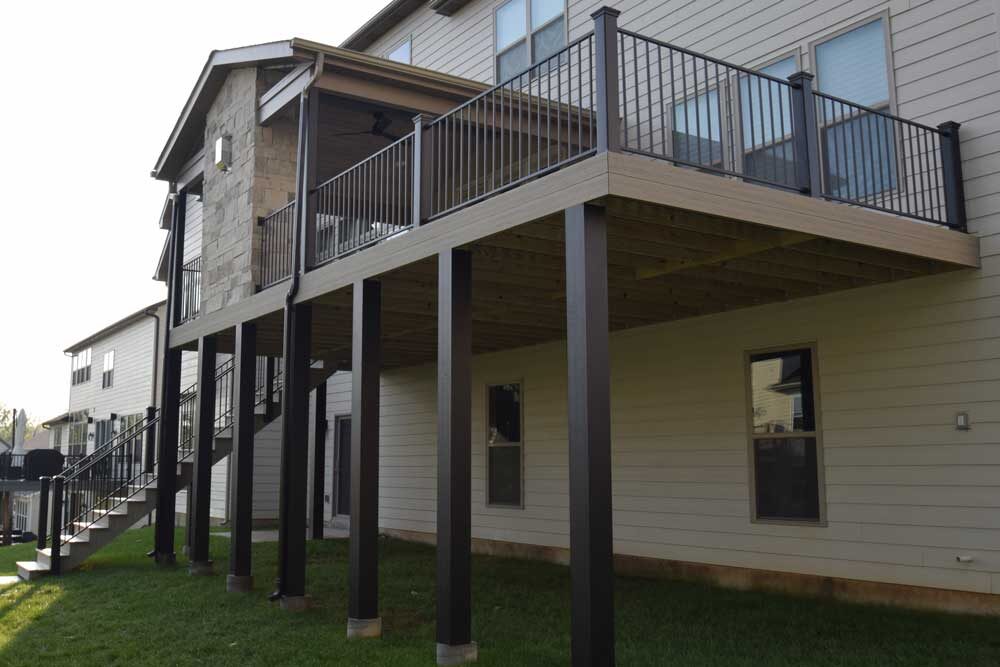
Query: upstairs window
81,367
108,376
504,445
784,448
527,32
859,147
403,53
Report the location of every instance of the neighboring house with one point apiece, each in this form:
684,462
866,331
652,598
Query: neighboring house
798,392
38,440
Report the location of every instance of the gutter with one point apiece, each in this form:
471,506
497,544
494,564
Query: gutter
156,352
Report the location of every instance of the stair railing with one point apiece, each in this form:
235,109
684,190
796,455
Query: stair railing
105,480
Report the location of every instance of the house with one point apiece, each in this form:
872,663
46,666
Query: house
673,287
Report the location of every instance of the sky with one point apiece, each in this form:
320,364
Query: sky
91,92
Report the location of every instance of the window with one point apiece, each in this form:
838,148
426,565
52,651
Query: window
527,32
697,130
504,445
108,376
858,147
784,448
81,367
766,124
57,437
78,432
403,52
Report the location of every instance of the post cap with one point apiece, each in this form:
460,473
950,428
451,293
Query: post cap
606,11
423,118
949,126
801,76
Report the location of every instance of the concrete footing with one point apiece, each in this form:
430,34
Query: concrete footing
457,655
364,628
201,568
239,584
165,560
296,603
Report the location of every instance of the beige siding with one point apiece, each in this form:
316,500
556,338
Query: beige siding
905,491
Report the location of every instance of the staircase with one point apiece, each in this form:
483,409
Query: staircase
111,490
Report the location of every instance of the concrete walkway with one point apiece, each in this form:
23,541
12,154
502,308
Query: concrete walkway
9,580
272,535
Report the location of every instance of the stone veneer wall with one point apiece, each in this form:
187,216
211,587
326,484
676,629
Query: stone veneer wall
261,179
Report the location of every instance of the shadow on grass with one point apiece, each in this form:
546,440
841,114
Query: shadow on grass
122,609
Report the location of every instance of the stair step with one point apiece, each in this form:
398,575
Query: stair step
28,570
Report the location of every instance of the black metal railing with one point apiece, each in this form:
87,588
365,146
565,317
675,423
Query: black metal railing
106,479
874,159
191,290
12,466
275,259
617,90
532,124
367,203
698,111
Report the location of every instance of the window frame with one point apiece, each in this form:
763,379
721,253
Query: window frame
408,39
901,175
80,373
816,434
486,443
108,374
528,34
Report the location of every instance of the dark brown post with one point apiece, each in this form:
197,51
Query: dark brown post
454,478
366,363
150,454
8,519
319,461
269,403
423,169
201,483
240,578
55,562
309,174
295,463
951,165
170,394
591,567
805,138
43,510
606,79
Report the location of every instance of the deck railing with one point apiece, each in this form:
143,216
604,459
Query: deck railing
368,203
191,290
275,259
617,90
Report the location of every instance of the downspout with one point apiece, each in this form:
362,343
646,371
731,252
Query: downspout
156,353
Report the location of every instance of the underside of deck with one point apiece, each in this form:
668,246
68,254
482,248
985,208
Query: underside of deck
681,244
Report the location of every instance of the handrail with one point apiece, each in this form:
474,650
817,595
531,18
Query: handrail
876,112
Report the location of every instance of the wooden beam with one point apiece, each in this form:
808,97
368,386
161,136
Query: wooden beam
734,250
283,93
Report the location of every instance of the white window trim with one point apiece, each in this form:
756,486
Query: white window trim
813,347
527,35
487,445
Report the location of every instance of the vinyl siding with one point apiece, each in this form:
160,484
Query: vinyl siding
192,228
905,491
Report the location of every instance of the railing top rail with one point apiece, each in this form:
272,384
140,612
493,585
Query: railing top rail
373,156
103,453
509,80
188,266
876,112
278,211
695,54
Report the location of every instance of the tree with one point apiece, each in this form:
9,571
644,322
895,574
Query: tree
6,424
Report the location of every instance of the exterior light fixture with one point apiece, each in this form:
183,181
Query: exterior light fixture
224,153
962,421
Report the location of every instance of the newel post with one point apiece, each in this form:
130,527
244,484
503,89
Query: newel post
43,510
951,165
55,566
805,135
423,170
150,462
606,79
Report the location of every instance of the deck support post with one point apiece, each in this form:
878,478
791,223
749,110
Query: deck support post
269,403
170,396
240,578
294,462
454,477
319,462
366,362
591,566
805,142
951,166
201,481
55,553
606,79
309,136
43,510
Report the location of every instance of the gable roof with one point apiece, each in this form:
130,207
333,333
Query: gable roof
192,118
391,15
116,326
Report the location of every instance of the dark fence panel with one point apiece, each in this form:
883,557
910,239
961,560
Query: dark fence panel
191,290
275,259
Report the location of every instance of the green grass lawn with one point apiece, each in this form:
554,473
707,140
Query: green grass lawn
122,609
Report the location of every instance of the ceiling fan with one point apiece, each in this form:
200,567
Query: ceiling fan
378,129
